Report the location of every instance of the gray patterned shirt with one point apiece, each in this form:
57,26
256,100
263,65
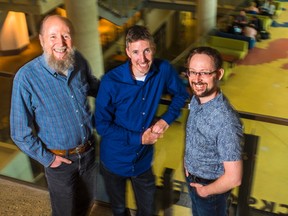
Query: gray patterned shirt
213,135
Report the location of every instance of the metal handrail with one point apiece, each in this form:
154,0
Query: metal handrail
6,74
247,115
243,114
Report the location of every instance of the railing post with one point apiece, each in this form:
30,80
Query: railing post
168,191
249,158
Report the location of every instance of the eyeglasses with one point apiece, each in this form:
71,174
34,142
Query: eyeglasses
202,74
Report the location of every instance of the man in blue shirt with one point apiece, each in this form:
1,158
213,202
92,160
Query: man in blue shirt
125,118
50,117
214,136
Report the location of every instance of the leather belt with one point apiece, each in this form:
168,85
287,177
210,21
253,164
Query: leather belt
197,179
77,150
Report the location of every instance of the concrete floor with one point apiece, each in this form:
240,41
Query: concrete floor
18,199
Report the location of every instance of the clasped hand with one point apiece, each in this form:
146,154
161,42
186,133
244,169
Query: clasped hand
156,131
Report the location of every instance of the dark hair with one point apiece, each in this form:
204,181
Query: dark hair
138,32
64,19
213,53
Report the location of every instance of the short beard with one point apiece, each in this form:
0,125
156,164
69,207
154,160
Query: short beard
61,66
207,92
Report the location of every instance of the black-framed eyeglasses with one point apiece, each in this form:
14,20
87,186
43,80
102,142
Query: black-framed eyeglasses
202,74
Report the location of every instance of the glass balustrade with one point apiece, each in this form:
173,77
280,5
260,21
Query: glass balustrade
268,175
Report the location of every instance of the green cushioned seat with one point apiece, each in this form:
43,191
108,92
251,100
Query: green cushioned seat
228,46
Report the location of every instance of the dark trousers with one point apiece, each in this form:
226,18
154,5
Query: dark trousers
144,191
71,186
216,205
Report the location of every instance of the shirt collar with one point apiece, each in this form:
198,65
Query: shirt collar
128,71
218,97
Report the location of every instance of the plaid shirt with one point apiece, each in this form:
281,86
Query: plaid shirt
51,111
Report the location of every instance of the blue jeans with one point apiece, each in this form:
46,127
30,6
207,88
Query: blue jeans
216,205
71,186
144,190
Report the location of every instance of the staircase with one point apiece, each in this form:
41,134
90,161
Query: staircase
35,7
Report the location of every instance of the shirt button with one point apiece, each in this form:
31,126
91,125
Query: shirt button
143,98
143,113
72,96
81,125
76,111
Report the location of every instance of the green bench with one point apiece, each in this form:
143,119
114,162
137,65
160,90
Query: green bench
279,8
266,20
229,47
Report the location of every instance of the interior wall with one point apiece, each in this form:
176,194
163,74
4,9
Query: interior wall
156,18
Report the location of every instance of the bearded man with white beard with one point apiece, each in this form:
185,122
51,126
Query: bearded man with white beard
50,117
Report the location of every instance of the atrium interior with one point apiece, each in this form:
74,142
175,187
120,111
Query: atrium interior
256,86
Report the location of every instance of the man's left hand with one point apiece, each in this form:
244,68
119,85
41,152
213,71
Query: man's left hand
160,127
200,189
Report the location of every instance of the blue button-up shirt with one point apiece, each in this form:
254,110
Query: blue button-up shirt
213,135
125,108
49,110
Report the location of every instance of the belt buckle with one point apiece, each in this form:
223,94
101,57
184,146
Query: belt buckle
192,177
195,179
79,148
88,143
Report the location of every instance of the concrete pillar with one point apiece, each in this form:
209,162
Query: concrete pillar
32,26
84,16
206,15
